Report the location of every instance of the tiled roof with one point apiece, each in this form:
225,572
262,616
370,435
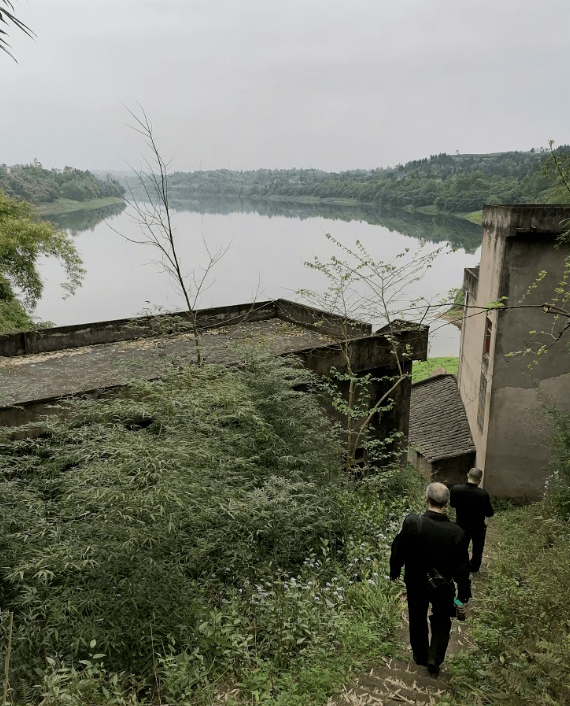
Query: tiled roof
438,423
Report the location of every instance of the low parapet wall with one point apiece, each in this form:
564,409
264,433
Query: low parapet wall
64,337
330,324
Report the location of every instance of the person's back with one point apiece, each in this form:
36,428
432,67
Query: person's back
436,543
472,505
426,542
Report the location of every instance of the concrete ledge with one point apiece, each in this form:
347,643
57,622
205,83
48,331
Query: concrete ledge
330,324
64,337
60,338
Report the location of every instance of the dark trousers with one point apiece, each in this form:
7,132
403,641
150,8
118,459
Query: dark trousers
477,536
440,621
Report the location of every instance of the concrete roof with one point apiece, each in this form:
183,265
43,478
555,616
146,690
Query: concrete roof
438,424
70,371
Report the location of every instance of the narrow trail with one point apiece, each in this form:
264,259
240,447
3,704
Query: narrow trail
400,681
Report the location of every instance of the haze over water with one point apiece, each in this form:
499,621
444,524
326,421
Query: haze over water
265,260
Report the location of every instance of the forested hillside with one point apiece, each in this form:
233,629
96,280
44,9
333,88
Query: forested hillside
448,183
38,185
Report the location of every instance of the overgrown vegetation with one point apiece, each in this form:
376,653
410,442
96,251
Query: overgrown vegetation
422,369
38,185
190,536
521,621
23,239
449,183
520,626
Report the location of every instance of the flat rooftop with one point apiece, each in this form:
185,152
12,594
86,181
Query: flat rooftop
38,368
70,371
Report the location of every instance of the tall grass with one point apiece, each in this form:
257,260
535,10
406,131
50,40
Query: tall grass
184,532
521,619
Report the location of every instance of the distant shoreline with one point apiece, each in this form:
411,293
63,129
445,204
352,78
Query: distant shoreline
60,206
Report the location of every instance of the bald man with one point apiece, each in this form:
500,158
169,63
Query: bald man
431,541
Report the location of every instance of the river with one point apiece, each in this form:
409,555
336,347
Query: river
268,243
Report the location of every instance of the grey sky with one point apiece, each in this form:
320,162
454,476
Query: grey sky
267,83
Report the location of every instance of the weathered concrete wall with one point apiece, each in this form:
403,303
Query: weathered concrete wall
77,336
518,243
452,470
470,353
516,455
418,461
368,352
65,337
447,471
319,320
393,423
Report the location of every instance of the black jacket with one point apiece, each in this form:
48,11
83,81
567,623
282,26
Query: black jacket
472,505
440,547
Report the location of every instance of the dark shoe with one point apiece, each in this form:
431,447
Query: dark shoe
419,661
433,668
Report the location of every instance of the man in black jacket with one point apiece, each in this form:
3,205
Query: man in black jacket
426,542
472,505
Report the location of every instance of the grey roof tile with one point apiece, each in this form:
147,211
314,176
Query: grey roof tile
438,423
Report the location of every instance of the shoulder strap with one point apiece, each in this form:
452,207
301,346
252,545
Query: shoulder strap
421,536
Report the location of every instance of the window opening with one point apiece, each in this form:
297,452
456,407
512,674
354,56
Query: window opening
488,331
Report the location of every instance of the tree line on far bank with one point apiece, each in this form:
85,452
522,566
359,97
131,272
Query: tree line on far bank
448,183
33,183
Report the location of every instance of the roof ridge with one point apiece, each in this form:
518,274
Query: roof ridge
434,377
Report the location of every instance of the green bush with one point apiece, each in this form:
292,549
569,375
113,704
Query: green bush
521,622
134,516
558,484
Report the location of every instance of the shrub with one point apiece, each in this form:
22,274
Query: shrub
558,484
129,521
521,655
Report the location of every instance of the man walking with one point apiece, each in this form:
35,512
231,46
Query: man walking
472,505
431,541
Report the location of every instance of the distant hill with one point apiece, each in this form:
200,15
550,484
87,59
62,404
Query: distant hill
459,183
34,183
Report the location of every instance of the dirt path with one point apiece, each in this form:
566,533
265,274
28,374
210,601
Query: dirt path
400,681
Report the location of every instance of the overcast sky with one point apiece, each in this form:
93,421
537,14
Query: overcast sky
284,83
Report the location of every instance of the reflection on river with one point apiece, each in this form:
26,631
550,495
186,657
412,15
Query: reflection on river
270,241
459,232
77,222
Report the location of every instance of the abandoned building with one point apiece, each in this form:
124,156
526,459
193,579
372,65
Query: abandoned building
501,381
440,443
38,368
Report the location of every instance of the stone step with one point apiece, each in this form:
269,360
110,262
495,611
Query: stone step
413,680
356,696
395,689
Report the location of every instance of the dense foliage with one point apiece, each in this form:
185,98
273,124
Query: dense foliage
178,520
521,613
558,484
38,185
449,183
23,239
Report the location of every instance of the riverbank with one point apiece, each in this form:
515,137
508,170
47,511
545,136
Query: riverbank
69,205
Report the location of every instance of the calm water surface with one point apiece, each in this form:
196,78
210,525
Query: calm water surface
266,257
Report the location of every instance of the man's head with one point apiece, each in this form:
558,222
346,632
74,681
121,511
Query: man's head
437,497
475,475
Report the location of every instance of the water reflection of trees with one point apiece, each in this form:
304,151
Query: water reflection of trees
78,221
459,232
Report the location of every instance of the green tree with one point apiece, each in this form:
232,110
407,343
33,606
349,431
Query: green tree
23,239
7,17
